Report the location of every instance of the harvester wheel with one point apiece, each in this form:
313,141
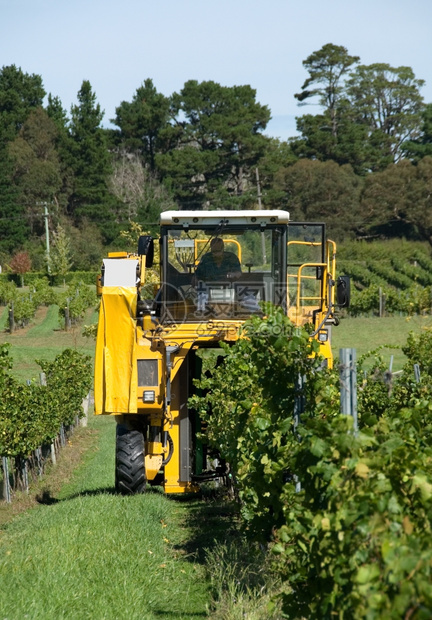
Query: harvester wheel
130,477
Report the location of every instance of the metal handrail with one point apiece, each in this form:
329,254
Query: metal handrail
299,279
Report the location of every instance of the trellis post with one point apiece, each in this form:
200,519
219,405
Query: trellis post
6,481
348,384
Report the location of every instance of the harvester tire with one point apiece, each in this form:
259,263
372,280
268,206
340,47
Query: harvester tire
130,476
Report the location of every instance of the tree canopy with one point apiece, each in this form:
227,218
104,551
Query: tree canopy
142,121
361,161
19,94
37,170
328,68
401,193
369,111
91,164
325,192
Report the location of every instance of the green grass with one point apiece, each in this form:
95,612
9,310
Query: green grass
88,553
4,312
366,334
93,554
44,339
49,324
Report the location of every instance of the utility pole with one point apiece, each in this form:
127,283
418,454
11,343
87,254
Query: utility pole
263,248
258,187
46,215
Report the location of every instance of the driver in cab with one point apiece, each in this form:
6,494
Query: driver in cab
218,265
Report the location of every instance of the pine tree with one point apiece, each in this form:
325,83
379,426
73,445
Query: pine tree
90,161
142,122
20,93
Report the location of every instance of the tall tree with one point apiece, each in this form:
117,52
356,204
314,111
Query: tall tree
333,133
420,147
368,111
142,122
19,94
64,147
322,191
388,102
328,69
219,142
90,161
37,167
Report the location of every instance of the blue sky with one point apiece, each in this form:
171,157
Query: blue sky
117,45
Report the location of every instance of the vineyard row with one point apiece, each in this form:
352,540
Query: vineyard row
346,515
34,418
72,302
395,285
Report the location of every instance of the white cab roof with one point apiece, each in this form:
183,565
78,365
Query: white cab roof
190,218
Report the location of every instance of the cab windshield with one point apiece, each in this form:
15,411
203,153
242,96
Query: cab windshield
221,274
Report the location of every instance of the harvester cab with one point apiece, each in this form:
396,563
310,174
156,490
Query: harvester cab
216,269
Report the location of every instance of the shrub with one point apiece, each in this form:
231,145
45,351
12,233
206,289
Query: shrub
77,299
31,415
347,514
24,308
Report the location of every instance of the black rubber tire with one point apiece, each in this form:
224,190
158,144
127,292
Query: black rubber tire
130,476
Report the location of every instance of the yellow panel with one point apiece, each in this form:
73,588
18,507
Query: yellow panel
182,487
326,351
153,463
172,469
117,254
115,383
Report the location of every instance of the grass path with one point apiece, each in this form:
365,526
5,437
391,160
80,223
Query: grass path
367,333
45,338
49,323
88,553
85,553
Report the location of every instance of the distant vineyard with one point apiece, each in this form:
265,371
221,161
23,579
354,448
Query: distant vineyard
388,278
72,302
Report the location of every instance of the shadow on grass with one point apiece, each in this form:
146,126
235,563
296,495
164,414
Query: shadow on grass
175,614
210,521
45,498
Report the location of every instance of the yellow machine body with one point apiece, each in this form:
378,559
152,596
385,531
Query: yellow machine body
146,349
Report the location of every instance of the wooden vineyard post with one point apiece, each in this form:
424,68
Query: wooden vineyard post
42,379
11,318
68,323
85,405
6,482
